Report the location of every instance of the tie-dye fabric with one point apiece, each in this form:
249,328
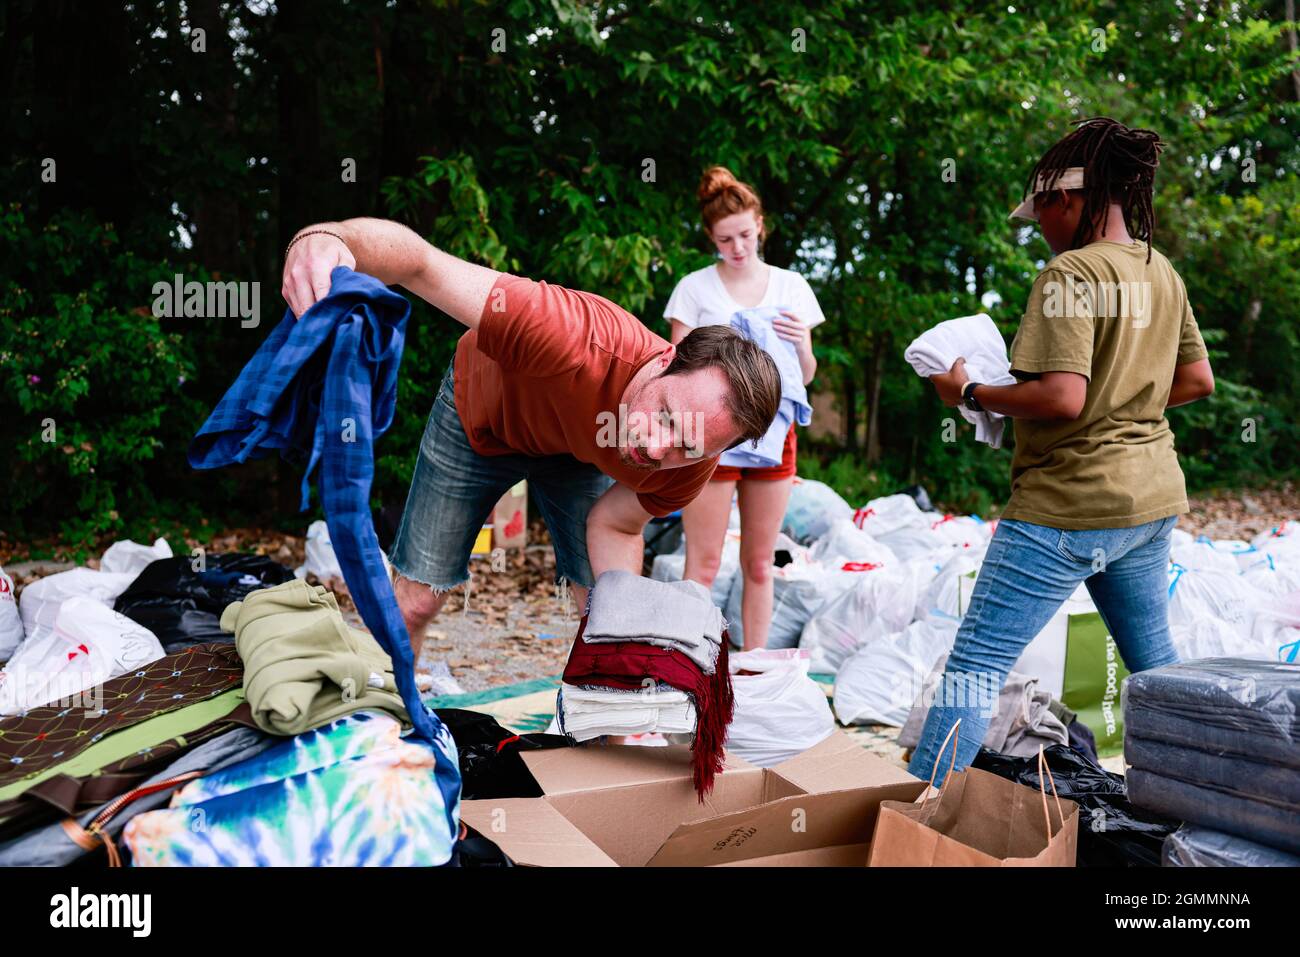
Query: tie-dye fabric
350,794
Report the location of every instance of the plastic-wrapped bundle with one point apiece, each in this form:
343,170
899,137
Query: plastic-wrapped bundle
1192,846
1275,825
1214,742
1229,706
1228,773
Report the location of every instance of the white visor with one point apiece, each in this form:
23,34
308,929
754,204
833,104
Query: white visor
1071,178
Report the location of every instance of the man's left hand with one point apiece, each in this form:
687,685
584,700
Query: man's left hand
949,384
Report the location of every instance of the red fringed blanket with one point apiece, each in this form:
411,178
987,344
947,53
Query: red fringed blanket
626,665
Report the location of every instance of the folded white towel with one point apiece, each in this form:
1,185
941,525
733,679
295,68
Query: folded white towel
585,712
977,340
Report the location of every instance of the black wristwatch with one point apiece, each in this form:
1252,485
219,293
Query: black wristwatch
968,397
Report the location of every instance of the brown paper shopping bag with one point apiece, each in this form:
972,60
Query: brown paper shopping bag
978,820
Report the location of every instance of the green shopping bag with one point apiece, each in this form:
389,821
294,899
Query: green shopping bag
1093,673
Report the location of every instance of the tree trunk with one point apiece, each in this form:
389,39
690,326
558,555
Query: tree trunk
216,216
873,423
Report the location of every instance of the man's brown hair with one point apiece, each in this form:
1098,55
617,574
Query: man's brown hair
754,392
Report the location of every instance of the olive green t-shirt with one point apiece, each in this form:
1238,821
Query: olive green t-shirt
1103,311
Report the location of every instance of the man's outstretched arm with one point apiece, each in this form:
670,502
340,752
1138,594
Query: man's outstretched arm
614,531
393,254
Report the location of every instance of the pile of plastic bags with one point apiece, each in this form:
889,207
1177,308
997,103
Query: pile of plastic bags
874,595
70,632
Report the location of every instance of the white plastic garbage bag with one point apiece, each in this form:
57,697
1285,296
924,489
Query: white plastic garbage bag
949,593
780,711
320,559
798,591
1287,529
668,568
1228,596
961,531
845,542
879,683
1276,572
53,590
1277,629
71,648
1202,554
889,513
897,522
1282,543
11,623
1214,638
812,509
130,558
672,567
880,602
838,635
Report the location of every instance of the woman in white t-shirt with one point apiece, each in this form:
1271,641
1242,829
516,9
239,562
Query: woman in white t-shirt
733,219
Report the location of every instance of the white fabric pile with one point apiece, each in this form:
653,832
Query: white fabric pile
70,639
589,712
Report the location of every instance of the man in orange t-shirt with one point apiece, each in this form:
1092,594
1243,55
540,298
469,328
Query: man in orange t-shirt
609,423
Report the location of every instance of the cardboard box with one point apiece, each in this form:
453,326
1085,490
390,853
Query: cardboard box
510,518
629,806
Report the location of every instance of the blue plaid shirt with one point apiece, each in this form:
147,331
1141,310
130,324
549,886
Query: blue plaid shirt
320,390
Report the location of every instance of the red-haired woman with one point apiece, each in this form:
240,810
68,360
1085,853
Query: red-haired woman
733,220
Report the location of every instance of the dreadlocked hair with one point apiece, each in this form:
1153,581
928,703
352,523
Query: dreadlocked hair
1119,166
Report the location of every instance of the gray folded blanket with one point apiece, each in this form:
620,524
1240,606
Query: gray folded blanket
678,615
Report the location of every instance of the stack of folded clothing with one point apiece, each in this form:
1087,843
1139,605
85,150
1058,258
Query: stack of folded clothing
641,641
587,712
1214,742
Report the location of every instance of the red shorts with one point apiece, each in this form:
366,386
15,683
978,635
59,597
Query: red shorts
774,473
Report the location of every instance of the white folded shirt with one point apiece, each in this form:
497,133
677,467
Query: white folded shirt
977,340
590,712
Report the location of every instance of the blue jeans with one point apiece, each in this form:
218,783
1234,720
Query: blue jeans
1028,571
454,490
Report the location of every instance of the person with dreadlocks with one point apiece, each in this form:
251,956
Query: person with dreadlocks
1106,344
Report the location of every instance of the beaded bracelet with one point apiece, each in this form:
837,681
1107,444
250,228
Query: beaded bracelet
310,232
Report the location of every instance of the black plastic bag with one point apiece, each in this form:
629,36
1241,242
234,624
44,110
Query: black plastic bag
183,607
475,850
1112,832
490,765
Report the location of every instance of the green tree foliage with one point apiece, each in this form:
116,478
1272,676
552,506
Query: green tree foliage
564,139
